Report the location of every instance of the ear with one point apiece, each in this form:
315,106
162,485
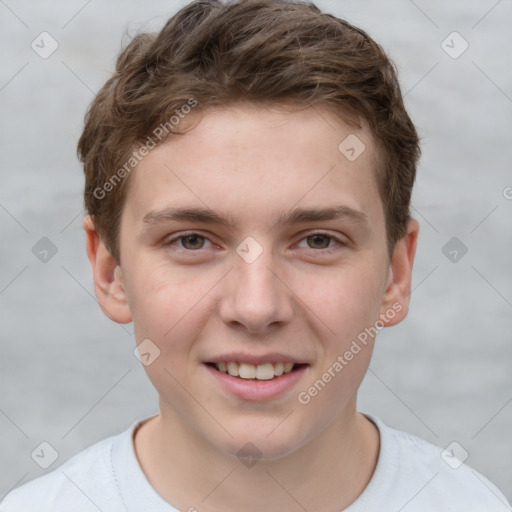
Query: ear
108,278
395,302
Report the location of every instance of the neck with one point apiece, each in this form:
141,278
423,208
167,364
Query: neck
326,474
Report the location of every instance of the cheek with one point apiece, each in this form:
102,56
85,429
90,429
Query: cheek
347,301
333,389
170,311
348,306
163,301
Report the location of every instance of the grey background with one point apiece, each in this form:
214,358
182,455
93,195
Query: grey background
68,374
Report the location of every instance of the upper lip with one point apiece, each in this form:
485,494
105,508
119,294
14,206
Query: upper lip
272,357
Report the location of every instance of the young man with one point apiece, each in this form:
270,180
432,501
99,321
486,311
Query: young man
248,178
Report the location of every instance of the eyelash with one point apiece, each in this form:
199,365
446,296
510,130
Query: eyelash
169,242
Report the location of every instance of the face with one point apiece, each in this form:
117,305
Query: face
253,240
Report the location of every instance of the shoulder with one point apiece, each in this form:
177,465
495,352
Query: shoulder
85,482
433,478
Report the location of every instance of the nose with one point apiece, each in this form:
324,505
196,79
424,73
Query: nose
256,297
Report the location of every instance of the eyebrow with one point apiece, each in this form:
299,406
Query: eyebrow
295,216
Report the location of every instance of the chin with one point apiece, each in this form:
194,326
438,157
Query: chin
258,440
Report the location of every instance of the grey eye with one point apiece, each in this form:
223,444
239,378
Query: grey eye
194,241
317,241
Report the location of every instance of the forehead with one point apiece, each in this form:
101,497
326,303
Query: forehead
242,161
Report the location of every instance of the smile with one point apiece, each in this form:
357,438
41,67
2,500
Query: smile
265,371
256,382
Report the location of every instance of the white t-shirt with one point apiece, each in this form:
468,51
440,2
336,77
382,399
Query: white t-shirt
410,476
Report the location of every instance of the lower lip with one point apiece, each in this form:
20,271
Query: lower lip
253,389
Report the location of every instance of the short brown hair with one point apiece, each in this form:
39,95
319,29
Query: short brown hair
266,52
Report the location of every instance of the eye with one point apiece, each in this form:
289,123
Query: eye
320,240
193,242
189,241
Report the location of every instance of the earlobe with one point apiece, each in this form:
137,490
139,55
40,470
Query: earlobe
395,302
108,279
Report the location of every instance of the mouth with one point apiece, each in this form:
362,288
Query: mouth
256,372
256,382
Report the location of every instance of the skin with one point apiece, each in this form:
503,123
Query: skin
198,298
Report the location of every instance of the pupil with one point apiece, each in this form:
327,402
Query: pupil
194,239
316,237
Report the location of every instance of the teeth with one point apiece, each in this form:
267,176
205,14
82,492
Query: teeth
233,369
288,367
247,371
279,369
264,371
